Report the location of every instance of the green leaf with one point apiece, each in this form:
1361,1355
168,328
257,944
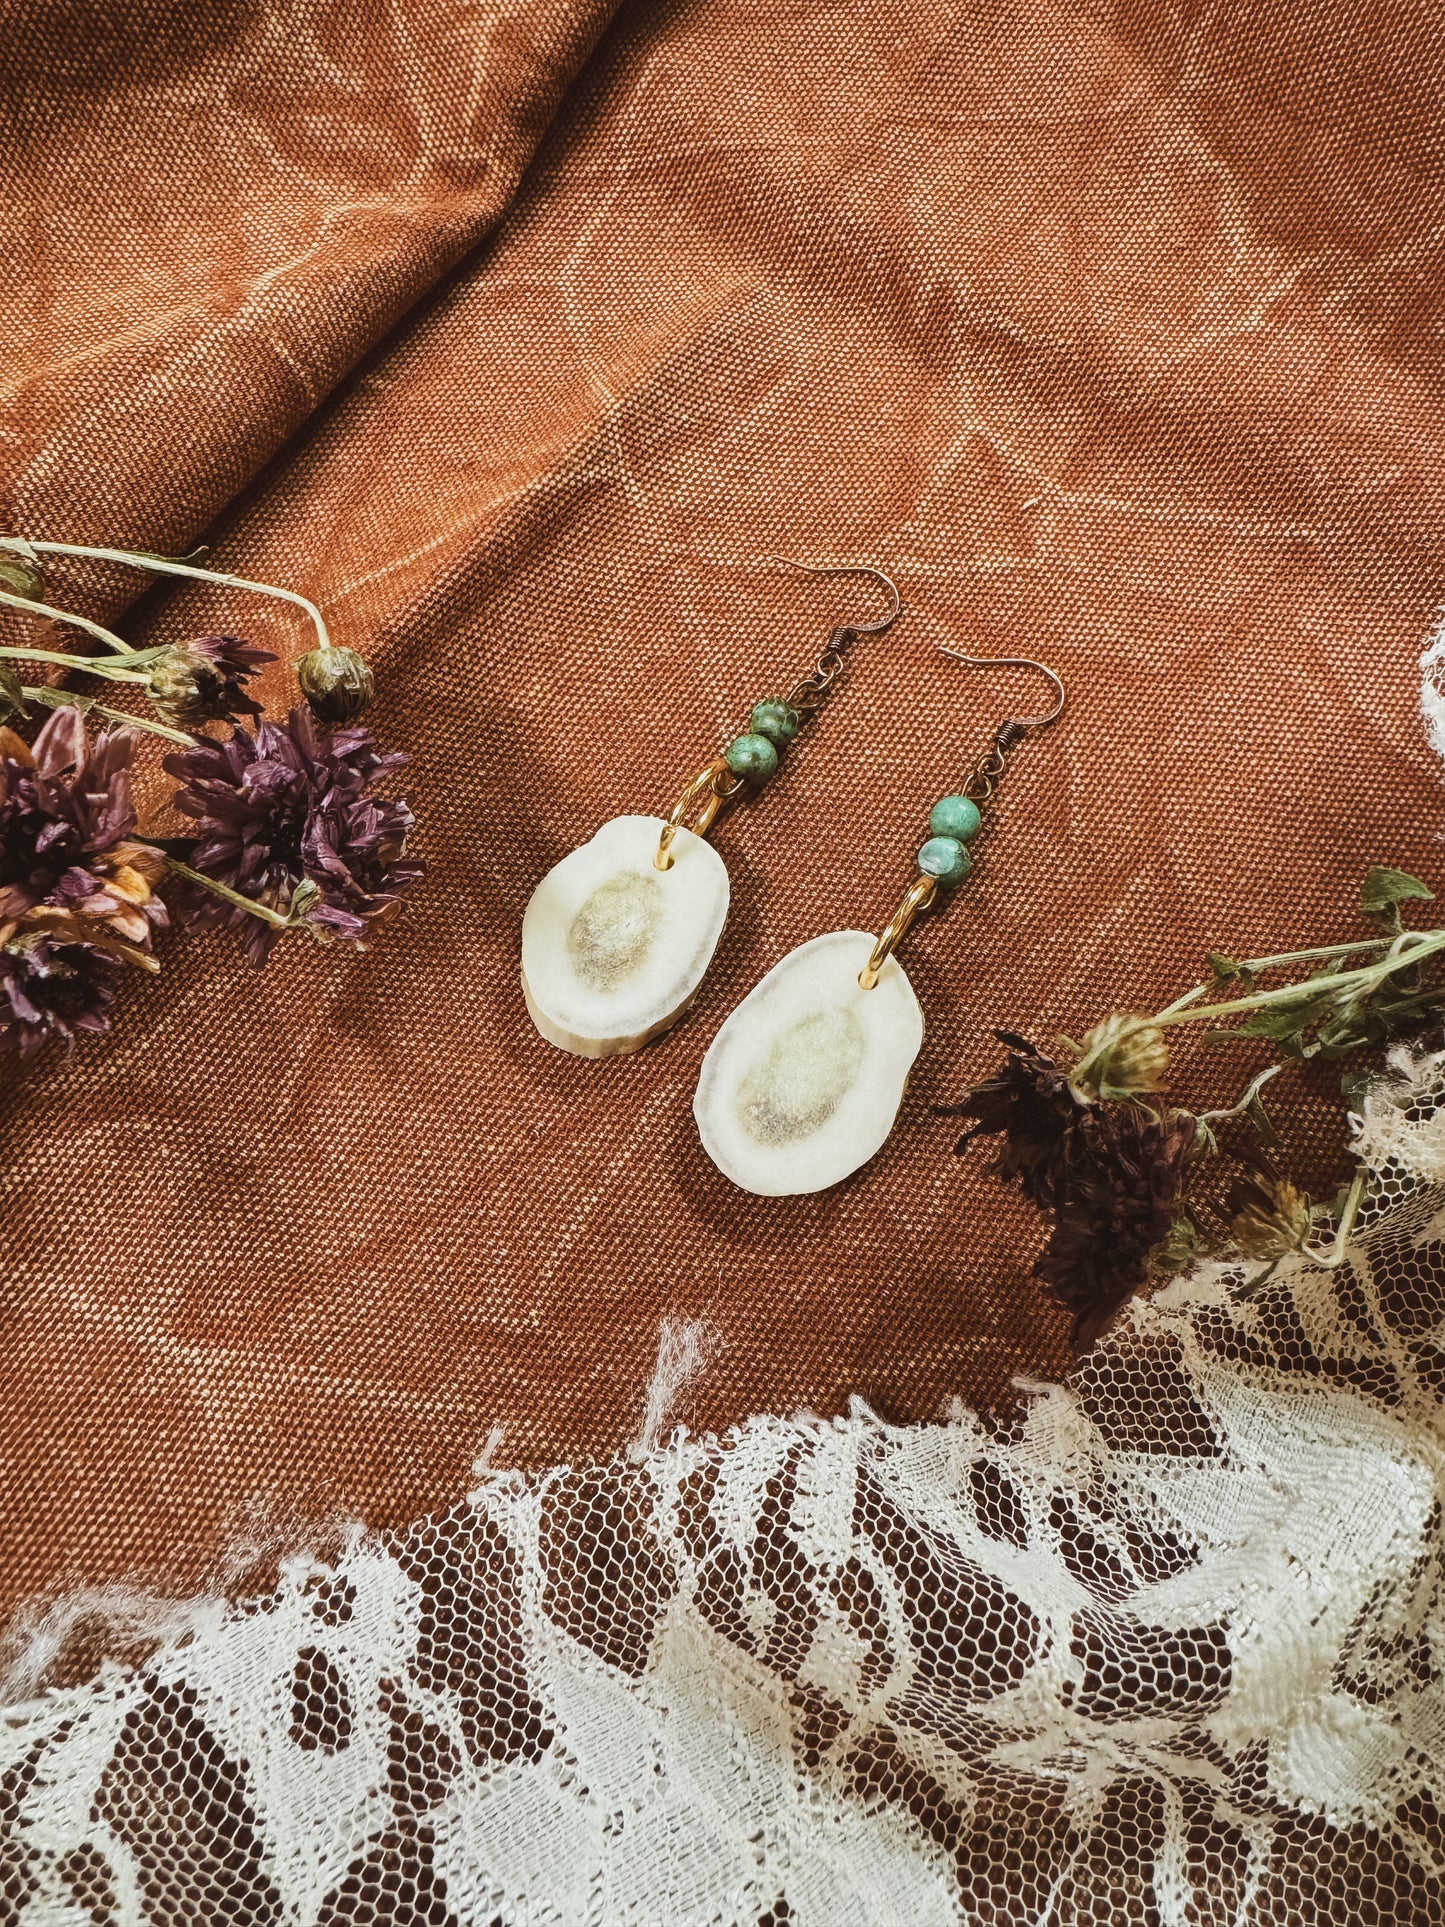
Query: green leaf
1282,1023
21,578
1382,889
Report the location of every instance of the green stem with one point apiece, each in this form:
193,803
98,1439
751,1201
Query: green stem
1189,997
1313,987
159,565
261,910
100,666
1333,1256
67,699
1239,1109
1257,964
44,610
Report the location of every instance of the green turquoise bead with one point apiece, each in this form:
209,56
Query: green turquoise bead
955,816
944,857
775,719
751,756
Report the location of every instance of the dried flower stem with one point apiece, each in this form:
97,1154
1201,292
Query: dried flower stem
67,699
1242,1107
101,666
1405,950
1254,965
159,565
44,610
249,904
1333,1256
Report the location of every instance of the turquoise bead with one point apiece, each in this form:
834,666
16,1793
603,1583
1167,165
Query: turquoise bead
955,816
751,756
944,857
775,719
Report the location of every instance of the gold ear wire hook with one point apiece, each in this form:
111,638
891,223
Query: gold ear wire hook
1016,662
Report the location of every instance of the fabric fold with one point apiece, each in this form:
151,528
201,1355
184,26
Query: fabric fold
210,218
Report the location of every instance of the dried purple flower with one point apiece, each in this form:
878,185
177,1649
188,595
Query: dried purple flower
1121,1179
1030,1105
50,989
204,680
292,806
68,865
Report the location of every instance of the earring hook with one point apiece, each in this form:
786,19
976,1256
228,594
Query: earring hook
880,623
1016,662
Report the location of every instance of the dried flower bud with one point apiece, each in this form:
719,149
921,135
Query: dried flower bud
19,577
335,682
12,702
1269,1216
1180,1247
204,680
1124,1056
306,899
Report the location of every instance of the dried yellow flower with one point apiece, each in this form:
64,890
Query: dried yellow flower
1124,1056
1269,1216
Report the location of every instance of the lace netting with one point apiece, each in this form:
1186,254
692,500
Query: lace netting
1167,1649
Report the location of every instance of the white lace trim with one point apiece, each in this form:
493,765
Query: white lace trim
1169,1649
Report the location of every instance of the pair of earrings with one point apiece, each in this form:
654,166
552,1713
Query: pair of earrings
803,1082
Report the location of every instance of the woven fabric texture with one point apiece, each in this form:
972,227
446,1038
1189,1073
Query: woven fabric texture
1166,1652
1110,329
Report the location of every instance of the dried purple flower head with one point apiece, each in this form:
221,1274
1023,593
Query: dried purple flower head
50,989
1121,1179
1030,1105
68,865
204,680
292,806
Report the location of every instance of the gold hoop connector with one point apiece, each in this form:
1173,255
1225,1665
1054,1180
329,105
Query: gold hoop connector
716,785
918,896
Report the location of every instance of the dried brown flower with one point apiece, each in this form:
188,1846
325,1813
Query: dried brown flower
1030,1106
1124,1056
1120,1187
336,683
111,903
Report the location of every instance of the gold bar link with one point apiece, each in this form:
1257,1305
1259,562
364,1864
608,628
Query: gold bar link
918,896
715,785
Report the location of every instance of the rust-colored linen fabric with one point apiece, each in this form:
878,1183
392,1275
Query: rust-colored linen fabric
1111,331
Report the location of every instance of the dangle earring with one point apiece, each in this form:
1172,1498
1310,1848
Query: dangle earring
803,1082
618,936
